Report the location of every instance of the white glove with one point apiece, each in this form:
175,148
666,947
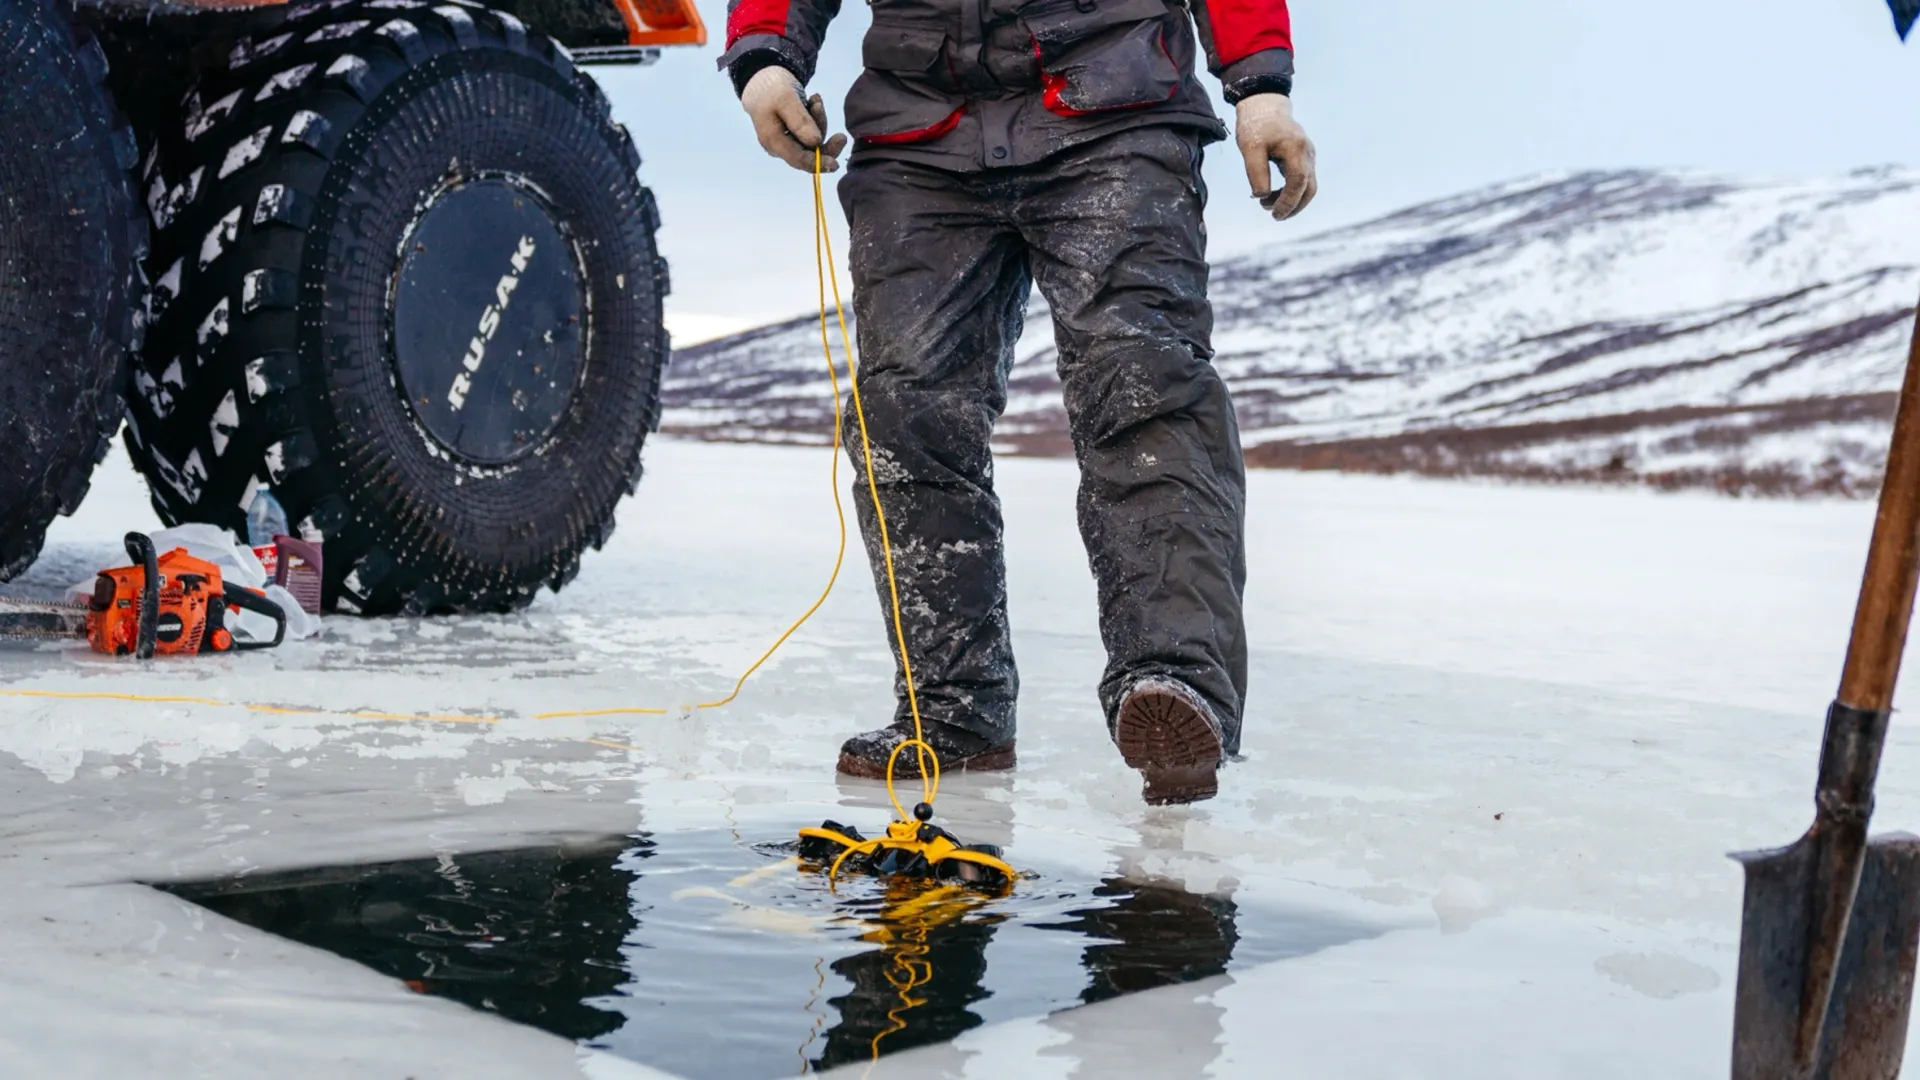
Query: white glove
790,124
1266,131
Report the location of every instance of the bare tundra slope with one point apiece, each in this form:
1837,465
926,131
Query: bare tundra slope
1631,327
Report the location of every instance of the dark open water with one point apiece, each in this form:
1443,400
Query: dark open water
719,960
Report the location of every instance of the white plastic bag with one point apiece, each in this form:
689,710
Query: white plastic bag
237,562
300,624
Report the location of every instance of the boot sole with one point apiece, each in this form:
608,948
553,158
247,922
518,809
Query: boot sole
909,765
1176,751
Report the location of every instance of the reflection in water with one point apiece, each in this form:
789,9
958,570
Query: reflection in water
711,960
1151,935
916,988
931,964
534,935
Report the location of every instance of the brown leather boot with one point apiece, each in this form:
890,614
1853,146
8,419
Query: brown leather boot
866,754
1168,733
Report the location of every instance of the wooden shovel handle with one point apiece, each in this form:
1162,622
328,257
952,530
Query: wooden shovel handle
1893,561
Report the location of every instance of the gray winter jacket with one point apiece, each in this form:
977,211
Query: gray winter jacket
983,84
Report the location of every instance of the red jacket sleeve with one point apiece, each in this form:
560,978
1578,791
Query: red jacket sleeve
1249,45
784,32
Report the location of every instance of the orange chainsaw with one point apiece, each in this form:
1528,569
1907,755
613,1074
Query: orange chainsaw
171,603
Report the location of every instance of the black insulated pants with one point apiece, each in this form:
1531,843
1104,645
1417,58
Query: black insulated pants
942,264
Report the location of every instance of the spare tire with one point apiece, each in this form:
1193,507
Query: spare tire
405,278
71,239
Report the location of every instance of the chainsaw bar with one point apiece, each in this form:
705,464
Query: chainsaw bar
41,620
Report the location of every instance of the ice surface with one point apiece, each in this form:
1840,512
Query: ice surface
1518,729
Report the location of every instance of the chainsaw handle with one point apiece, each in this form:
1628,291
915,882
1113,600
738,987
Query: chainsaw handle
140,550
237,596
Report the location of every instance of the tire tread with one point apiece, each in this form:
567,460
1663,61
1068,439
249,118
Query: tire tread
97,365
238,254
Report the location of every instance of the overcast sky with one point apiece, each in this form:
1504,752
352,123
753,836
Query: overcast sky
1406,99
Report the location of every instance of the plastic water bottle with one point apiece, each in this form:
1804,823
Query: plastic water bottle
266,519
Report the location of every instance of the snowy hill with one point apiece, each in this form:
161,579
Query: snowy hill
1654,327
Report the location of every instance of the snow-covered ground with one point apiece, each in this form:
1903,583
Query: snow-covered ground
1515,729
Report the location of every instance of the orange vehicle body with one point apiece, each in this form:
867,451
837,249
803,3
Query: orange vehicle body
649,22
662,22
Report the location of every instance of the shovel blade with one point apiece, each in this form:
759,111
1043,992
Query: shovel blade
1865,1034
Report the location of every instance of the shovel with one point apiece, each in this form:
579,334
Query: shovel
1828,935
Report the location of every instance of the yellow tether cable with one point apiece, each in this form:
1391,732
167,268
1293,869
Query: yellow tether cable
929,778
825,274
839,511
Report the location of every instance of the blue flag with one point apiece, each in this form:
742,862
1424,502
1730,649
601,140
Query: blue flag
1904,12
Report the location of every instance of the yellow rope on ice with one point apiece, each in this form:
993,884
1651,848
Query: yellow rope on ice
251,706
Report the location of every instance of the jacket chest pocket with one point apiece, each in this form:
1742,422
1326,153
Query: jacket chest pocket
906,94
1102,55
903,49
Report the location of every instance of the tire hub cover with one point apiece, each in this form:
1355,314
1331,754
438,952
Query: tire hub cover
488,310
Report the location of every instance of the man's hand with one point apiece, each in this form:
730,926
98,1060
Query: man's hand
1267,133
789,124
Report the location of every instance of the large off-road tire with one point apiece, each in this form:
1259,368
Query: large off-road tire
71,239
404,276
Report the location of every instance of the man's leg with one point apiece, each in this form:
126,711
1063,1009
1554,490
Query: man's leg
940,289
1119,250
